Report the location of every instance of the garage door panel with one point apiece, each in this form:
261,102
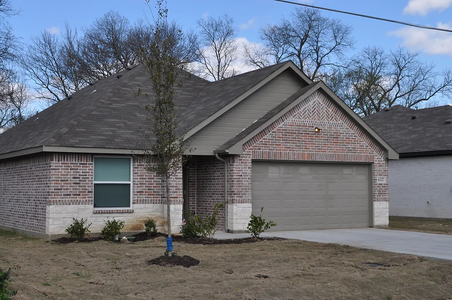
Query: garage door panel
308,196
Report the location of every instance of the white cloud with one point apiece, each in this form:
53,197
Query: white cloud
247,25
53,30
422,7
428,41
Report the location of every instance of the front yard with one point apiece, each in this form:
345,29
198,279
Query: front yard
268,269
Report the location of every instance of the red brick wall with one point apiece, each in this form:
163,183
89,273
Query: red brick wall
292,137
28,185
24,192
71,179
209,186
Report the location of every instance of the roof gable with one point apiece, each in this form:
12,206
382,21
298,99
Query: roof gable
234,146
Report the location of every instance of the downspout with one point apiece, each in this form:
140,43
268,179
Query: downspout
226,208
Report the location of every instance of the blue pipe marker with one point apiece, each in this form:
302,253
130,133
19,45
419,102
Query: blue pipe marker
169,244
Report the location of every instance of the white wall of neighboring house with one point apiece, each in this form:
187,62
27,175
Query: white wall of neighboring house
421,187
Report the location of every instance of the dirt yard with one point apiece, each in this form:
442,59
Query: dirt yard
269,269
443,226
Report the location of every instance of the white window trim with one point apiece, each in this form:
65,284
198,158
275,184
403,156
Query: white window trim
115,182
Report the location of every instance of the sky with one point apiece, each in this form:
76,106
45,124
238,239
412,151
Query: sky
252,15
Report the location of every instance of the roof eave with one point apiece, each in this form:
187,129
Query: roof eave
78,150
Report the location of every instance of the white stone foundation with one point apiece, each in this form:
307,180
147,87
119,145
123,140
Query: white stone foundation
59,217
238,216
381,213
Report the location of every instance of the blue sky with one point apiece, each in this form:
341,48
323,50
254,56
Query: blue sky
251,15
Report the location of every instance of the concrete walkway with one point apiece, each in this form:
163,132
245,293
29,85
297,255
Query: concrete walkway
429,245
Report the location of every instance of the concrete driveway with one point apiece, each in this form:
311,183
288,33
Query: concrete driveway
429,245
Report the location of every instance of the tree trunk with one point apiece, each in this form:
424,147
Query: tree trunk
168,208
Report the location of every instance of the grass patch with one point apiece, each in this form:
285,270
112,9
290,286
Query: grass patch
430,225
6,233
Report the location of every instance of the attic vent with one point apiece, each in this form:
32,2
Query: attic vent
93,91
413,117
118,76
448,121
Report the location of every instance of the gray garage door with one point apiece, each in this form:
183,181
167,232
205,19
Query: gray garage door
312,196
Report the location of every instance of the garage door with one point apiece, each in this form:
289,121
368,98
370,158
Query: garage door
312,196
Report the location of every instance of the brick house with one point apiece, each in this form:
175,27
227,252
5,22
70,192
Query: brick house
268,138
419,182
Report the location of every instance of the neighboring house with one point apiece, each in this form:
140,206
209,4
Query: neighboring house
279,140
420,182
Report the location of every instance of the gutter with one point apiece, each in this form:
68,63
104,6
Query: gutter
226,208
425,153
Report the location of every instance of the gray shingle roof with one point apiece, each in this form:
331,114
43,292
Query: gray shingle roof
414,132
108,114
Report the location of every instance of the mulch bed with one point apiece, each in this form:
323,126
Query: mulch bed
169,261
176,238
67,240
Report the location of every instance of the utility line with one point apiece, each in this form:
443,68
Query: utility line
366,16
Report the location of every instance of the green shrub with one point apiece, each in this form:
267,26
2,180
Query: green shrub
150,227
207,225
112,229
257,225
190,229
5,290
196,226
78,230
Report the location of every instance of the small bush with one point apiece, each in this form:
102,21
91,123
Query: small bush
78,230
196,226
190,229
150,227
207,225
257,225
5,290
112,229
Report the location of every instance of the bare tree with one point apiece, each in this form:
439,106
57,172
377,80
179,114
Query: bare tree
315,43
217,48
13,92
45,64
8,42
376,80
14,100
62,65
106,47
164,59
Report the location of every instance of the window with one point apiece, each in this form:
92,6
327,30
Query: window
112,182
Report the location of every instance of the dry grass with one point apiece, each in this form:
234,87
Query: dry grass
284,269
442,226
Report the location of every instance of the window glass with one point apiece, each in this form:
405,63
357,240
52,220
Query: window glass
111,169
112,183
111,195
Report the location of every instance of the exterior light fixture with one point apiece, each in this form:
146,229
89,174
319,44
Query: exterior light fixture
317,129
